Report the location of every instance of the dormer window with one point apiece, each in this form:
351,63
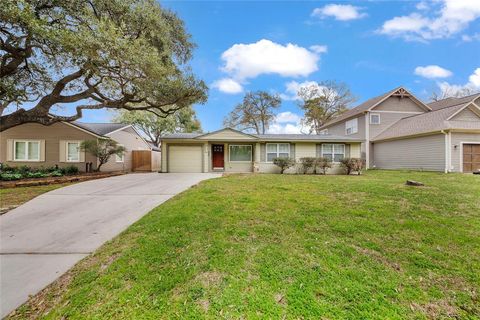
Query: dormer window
374,118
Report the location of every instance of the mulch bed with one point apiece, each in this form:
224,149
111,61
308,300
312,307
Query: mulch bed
54,180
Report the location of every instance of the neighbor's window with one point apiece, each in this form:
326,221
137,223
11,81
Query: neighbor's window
374,118
27,150
334,152
351,126
240,153
277,150
73,151
121,157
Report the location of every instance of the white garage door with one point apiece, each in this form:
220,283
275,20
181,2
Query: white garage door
185,159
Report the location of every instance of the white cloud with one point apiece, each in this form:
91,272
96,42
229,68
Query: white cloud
319,49
432,72
452,17
472,37
286,122
474,78
341,12
228,85
286,117
473,85
293,87
243,61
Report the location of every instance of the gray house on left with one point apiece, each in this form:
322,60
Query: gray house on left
36,145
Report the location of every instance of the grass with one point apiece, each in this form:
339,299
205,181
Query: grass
272,246
11,197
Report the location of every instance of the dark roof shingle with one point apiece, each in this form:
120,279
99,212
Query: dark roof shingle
100,129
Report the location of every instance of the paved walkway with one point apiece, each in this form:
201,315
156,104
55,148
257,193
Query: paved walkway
43,238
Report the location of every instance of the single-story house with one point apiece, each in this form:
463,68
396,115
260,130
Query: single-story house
36,145
229,150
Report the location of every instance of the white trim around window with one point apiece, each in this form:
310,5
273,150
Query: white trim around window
333,151
375,116
120,159
278,152
351,126
72,157
249,146
27,150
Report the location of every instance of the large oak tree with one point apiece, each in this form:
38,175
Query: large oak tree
255,113
93,54
324,102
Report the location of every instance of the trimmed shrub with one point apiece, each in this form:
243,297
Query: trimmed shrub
69,170
37,174
322,164
10,176
284,163
307,164
56,173
353,165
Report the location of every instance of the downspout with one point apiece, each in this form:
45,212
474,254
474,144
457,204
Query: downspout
447,150
367,140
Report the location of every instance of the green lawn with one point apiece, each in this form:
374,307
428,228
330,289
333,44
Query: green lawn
284,246
10,197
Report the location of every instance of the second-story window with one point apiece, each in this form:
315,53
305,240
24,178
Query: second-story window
351,126
374,118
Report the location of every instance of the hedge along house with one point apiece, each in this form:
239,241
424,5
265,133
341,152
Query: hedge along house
229,150
36,145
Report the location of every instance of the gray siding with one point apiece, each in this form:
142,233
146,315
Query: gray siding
466,115
339,128
386,120
419,153
399,104
457,139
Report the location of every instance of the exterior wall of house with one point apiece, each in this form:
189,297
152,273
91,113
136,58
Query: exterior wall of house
457,139
338,129
232,166
466,115
399,104
386,120
131,141
51,137
418,153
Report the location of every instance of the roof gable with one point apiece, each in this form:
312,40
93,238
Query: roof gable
227,134
467,113
376,101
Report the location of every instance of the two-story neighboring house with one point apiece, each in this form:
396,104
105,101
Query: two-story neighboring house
402,132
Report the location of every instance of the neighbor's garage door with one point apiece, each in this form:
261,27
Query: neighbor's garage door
471,157
185,159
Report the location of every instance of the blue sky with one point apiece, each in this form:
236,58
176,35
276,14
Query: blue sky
372,46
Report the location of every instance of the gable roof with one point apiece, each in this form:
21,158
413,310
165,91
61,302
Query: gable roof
270,137
428,122
372,103
452,101
100,129
246,135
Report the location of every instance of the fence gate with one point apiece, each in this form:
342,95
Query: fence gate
141,160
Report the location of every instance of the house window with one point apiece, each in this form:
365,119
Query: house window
334,152
240,153
374,118
121,157
26,150
73,151
351,126
277,150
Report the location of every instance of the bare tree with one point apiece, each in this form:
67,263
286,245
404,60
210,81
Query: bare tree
255,113
323,102
451,92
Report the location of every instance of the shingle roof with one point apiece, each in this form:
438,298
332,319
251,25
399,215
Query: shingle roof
427,122
360,108
450,102
277,137
100,129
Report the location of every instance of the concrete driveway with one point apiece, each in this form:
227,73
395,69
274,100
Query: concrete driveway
43,238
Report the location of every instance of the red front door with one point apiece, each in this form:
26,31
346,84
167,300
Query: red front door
217,156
